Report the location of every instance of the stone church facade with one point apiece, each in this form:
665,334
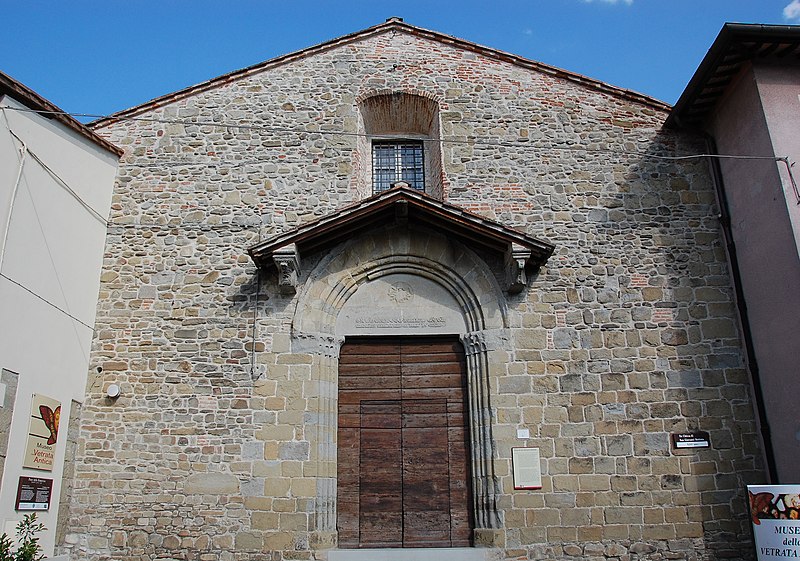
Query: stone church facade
342,286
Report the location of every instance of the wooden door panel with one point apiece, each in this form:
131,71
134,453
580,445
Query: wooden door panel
381,529
387,382
426,529
431,393
403,464
355,397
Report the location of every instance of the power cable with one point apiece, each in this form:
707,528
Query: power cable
472,142
23,153
46,301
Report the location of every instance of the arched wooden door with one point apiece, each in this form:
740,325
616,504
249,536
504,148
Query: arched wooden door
403,468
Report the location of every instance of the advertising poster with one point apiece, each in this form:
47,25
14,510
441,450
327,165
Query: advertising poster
775,513
40,451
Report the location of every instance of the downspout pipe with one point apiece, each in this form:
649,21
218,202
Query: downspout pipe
741,305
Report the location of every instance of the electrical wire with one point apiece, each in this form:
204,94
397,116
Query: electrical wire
62,182
46,301
470,142
474,141
23,153
26,150
55,273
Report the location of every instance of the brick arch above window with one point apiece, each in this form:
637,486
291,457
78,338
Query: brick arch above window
401,142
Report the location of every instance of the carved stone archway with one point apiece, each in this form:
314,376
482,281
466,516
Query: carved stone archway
471,259
433,259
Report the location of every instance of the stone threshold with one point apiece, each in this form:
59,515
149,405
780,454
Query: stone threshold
412,554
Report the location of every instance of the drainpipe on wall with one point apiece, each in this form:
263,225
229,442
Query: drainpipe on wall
741,306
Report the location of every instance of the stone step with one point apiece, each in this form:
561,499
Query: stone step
412,554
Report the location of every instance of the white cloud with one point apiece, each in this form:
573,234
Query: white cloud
529,31
792,11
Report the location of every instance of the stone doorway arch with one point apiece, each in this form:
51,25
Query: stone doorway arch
466,300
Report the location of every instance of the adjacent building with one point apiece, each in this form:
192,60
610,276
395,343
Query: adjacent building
401,290
56,179
745,99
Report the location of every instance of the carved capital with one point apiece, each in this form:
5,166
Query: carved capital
317,343
288,263
516,261
474,343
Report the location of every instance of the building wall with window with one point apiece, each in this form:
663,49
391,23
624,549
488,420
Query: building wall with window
56,179
238,381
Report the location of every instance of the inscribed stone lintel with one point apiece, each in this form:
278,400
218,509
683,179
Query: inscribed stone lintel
401,304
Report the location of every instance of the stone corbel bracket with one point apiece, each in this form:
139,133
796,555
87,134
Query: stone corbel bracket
287,262
517,260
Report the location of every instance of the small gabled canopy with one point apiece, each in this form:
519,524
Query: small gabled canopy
401,205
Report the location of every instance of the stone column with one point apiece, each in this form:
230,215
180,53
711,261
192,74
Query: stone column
485,484
326,350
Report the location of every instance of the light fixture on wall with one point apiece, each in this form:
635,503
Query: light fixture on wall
113,391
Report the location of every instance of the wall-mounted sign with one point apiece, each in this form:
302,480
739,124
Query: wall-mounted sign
775,513
698,439
40,452
33,493
527,468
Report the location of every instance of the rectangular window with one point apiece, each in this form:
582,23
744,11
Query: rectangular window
397,161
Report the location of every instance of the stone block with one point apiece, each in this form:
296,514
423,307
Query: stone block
594,482
620,445
686,379
587,446
624,515
248,541
212,484
674,337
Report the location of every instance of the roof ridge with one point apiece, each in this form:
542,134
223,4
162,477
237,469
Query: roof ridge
390,24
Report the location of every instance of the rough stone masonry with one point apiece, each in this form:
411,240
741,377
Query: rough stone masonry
223,444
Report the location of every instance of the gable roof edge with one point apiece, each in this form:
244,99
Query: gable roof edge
38,104
392,24
736,45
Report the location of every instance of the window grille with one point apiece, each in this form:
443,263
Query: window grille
397,161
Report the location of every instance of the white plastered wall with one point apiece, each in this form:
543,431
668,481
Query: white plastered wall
49,278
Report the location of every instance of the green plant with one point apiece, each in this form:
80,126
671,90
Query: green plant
28,548
5,548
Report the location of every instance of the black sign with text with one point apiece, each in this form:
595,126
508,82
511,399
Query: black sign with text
33,493
698,439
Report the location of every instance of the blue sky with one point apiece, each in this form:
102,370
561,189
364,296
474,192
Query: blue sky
98,56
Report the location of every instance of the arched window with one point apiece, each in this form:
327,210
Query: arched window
402,132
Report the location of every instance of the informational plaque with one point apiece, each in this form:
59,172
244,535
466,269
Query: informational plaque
40,451
527,468
33,493
775,514
698,439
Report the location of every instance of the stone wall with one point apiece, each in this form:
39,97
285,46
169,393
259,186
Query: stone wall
628,334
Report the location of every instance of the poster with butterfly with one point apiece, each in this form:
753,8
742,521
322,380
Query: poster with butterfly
40,452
